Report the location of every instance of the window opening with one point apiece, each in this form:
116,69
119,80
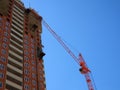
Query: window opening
3,51
0,84
4,45
5,39
7,23
6,28
26,87
6,34
3,59
26,58
26,52
1,75
1,66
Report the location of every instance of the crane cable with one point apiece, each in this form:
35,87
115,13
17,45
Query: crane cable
60,41
67,43
67,49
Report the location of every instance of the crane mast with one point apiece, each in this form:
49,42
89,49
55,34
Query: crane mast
84,69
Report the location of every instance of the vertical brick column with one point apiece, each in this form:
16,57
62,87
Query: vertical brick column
27,64
40,66
33,65
4,42
32,29
30,78
5,30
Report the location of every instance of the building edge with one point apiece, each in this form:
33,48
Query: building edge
32,29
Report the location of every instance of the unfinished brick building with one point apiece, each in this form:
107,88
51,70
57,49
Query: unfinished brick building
21,63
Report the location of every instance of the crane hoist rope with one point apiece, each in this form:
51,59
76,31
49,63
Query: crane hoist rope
81,62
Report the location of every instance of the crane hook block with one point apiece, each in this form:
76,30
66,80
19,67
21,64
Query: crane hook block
84,70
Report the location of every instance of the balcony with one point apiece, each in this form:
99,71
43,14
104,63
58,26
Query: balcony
18,24
17,33
17,12
18,39
17,19
14,76
16,55
18,16
19,46
14,68
19,9
17,28
13,86
16,50
15,61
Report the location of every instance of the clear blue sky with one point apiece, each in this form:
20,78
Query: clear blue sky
93,28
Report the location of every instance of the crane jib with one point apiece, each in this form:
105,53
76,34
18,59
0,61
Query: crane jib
84,69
